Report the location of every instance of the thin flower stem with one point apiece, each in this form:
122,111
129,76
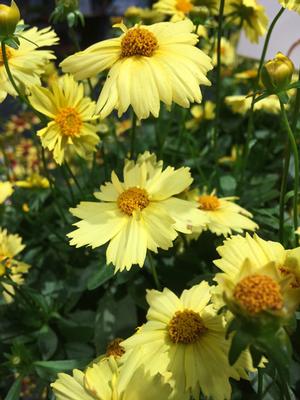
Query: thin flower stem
218,74
68,168
133,136
294,149
154,272
260,383
250,128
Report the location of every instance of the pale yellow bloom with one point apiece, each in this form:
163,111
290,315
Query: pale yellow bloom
293,5
71,115
28,62
232,158
144,15
147,65
101,381
34,181
177,9
245,75
185,337
255,20
10,247
6,190
227,53
241,104
224,215
201,113
138,214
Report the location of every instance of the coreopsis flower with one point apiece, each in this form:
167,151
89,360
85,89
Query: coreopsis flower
224,215
6,190
253,17
35,180
101,381
235,152
177,9
241,104
185,338
293,5
228,53
259,275
201,113
28,61
147,64
71,115
137,214
10,246
276,74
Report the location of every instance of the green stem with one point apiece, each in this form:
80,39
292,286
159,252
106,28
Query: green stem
153,271
68,168
218,74
294,149
250,128
133,136
260,383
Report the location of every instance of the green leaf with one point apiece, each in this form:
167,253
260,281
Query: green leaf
14,391
47,342
241,340
61,365
228,184
100,277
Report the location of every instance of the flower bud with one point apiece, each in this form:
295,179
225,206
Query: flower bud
9,17
277,73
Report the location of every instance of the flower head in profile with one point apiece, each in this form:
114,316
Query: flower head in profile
241,104
185,338
35,180
138,213
293,5
10,246
71,115
27,63
147,65
259,275
251,14
101,381
6,190
177,9
224,215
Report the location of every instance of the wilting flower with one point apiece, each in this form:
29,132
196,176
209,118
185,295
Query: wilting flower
6,190
185,337
101,381
71,115
252,15
138,214
10,247
259,275
224,216
293,5
28,61
147,64
241,104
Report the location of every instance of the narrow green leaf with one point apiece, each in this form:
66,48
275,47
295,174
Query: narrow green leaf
241,340
61,365
100,277
14,391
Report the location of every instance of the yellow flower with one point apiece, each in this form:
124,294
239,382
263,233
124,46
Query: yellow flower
185,337
6,190
227,53
138,214
235,152
71,114
178,9
224,216
247,74
271,271
101,381
27,63
147,64
241,104
252,14
293,5
34,181
200,113
11,246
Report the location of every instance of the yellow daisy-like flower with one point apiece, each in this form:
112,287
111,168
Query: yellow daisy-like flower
257,269
138,214
228,57
6,190
11,246
177,9
254,19
27,63
293,5
147,64
71,115
224,216
101,381
185,337
241,104
201,113
34,181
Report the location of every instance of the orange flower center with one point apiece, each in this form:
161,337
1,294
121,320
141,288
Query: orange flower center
114,348
257,293
184,6
138,42
69,121
186,327
208,202
8,55
133,199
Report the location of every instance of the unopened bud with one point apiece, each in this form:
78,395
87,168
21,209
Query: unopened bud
277,73
9,17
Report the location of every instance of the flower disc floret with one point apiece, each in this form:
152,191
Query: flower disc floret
257,293
69,121
133,199
138,42
114,348
186,327
208,202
